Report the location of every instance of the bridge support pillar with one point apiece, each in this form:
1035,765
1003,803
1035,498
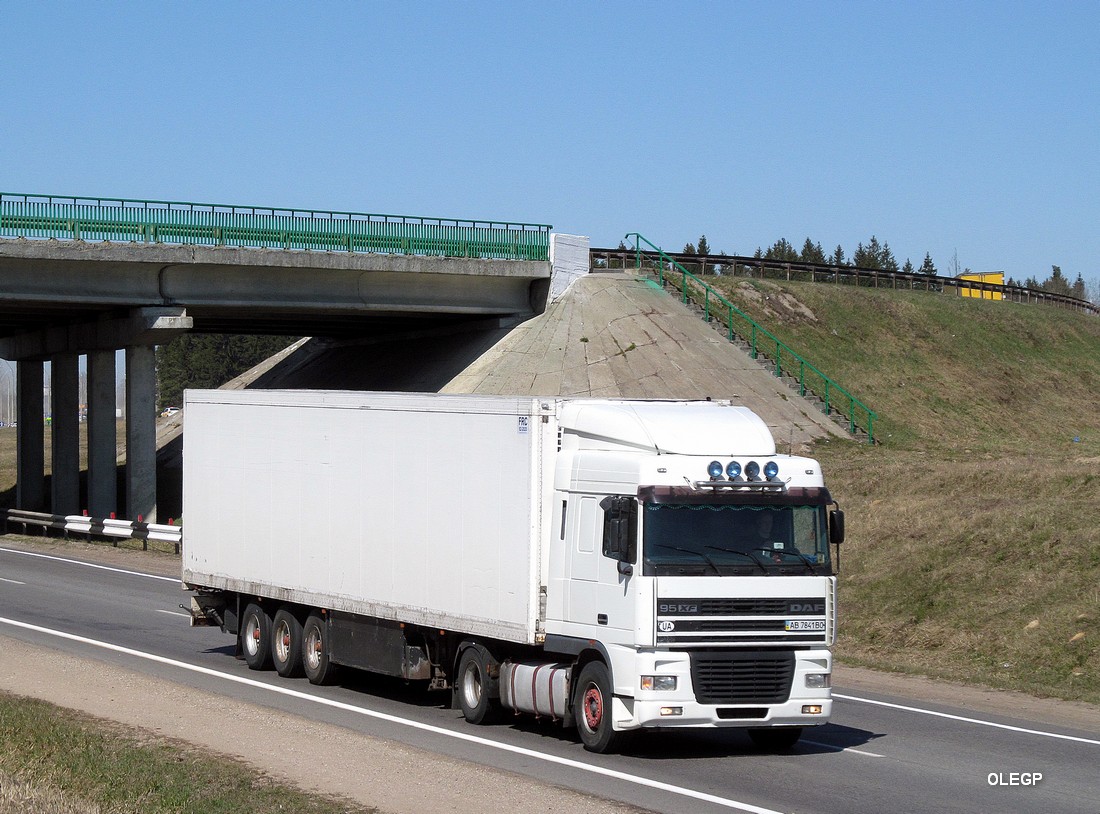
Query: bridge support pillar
30,490
102,435
65,434
141,434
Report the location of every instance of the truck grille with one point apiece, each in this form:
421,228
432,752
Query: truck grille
746,621
742,677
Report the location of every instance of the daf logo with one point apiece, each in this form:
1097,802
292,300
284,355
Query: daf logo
807,607
672,607
665,626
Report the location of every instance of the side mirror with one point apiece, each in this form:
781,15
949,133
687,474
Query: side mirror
836,527
619,528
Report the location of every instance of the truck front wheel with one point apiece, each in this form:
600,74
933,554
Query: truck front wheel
315,660
256,637
592,709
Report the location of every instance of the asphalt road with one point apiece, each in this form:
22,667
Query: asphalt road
879,753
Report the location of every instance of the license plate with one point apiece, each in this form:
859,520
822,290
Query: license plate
805,624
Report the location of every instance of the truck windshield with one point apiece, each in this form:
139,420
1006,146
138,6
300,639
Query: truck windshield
694,539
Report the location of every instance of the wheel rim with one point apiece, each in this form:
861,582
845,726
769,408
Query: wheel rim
471,686
313,649
252,636
593,707
282,641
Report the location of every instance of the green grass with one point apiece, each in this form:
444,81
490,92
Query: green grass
973,547
54,761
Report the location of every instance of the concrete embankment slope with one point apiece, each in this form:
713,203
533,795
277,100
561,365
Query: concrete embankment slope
617,335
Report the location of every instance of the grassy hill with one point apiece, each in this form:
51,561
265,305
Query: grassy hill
973,547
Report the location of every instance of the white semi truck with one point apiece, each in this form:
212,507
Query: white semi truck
614,564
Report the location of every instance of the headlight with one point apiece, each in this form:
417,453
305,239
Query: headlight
819,681
659,682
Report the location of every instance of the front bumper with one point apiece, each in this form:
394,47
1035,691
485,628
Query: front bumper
634,708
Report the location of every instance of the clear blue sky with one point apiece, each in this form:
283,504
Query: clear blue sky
968,127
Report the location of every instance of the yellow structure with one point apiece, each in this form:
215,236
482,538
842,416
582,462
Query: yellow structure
996,277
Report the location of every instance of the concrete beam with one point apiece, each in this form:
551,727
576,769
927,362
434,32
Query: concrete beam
41,274
143,326
30,488
102,435
141,434
65,434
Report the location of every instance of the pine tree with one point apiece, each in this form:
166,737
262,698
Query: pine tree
1057,283
886,258
928,267
866,257
702,247
838,257
689,248
782,250
812,253
908,267
1079,290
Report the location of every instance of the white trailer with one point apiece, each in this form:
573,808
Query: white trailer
599,561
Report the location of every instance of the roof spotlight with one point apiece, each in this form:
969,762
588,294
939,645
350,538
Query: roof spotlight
714,469
733,470
752,470
771,469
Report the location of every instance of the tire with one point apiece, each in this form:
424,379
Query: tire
286,644
777,739
256,637
475,686
315,656
592,709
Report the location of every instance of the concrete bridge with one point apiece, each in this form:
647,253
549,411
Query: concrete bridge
62,297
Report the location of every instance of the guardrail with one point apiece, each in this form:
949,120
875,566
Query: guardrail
99,219
834,397
851,275
96,526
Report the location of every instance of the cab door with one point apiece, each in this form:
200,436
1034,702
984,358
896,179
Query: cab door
599,592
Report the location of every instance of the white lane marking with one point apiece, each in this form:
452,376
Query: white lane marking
175,613
88,564
382,716
834,748
12,581
969,720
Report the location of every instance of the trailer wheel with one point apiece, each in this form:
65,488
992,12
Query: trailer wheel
777,739
473,686
592,709
315,659
286,644
256,637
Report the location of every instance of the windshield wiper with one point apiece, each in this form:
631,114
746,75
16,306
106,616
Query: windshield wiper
745,554
709,561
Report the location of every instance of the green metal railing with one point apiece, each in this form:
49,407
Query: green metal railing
95,219
761,341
